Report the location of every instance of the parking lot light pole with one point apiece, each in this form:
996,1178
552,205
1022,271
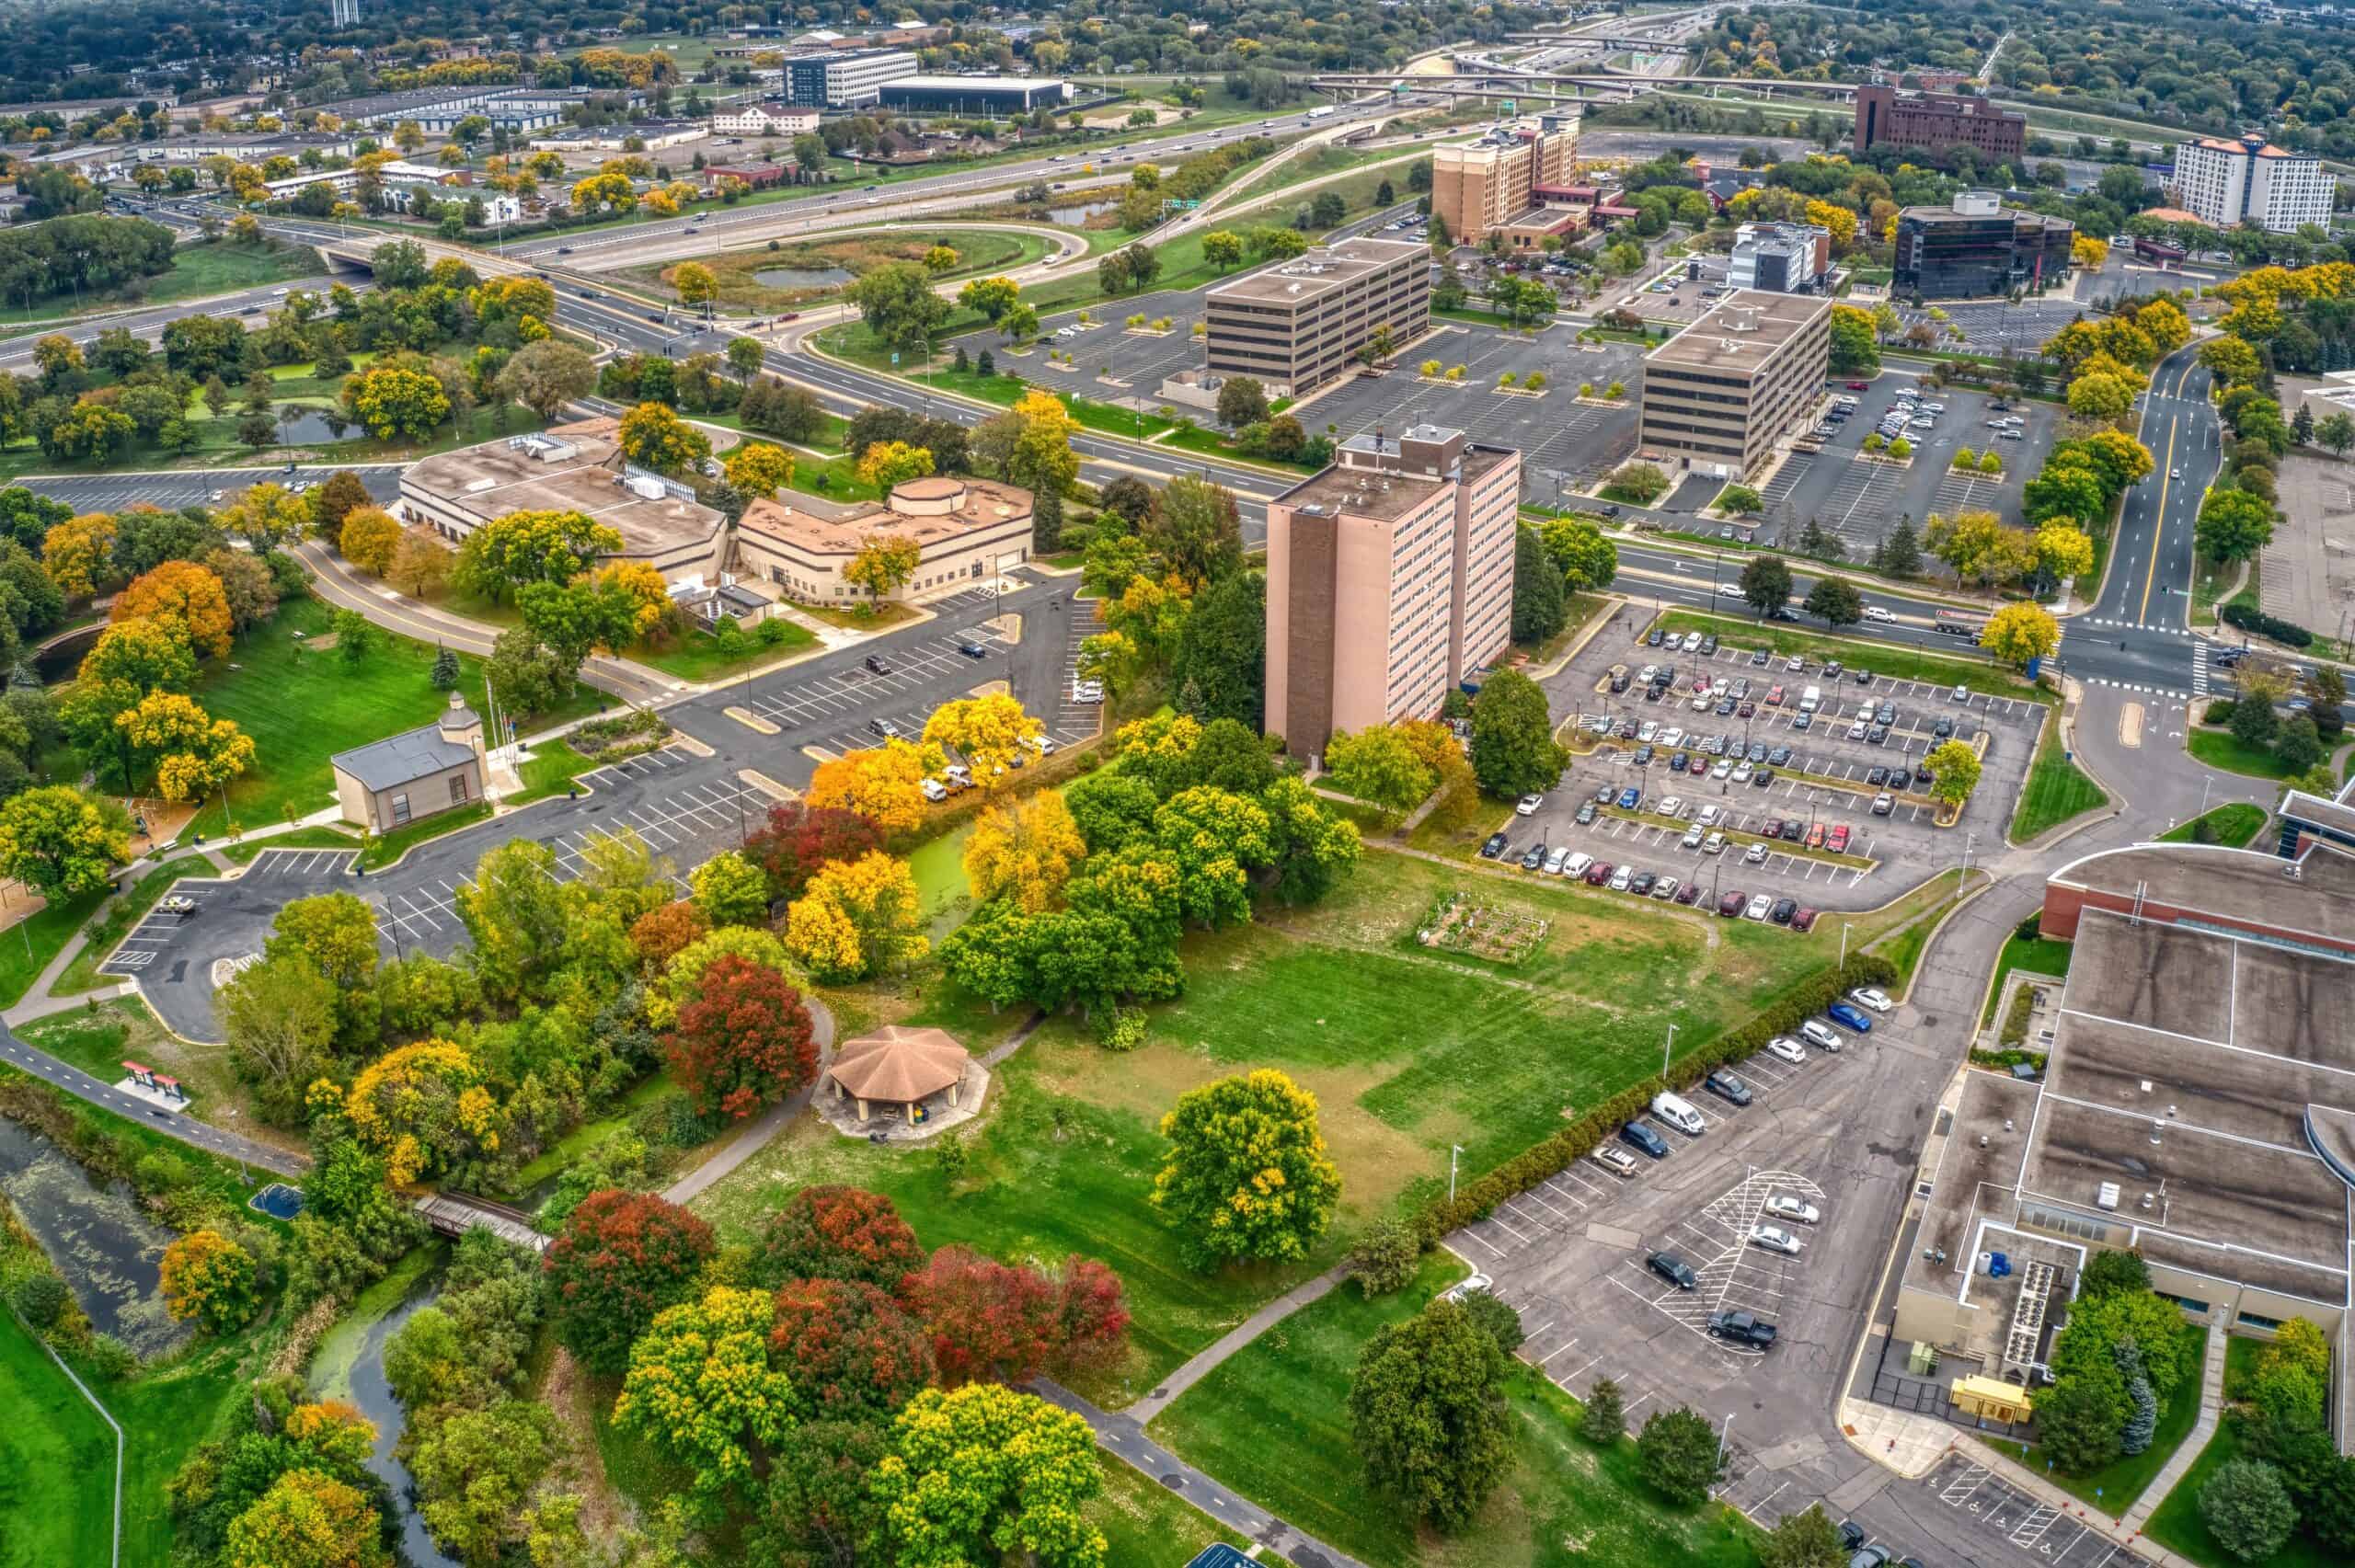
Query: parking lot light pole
1452,1151
1666,1051
1843,944
1725,1437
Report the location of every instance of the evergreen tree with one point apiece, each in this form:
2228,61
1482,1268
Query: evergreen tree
1901,551
1605,1420
446,670
2143,1419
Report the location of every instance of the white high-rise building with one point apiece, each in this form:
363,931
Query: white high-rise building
344,13
2252,181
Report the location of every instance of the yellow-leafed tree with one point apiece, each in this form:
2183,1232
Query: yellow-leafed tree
1024,850
991,733
858,918
882,784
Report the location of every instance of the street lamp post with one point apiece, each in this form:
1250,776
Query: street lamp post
1452,1151
1666,1051
1843,944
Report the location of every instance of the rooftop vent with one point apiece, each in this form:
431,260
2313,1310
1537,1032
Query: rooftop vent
2106,1198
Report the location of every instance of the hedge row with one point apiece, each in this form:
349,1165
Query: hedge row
1574,1143
2264,625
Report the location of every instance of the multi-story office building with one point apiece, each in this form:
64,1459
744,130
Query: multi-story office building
1719,394
845,78
1295,324
974,96
1935,121
1486,185
2252,181
1389,581
1780,259
1977,247
765,120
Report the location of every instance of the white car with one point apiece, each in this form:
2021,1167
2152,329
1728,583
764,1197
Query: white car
1783,1206
1857,730
932,789
1961,693
1463,1288
1757,855
1671,738
1665,887
1713,844
1721,770
1671,806
1820,1035
1875,613
1528,804
1759,904
1555,858
1692,642
1576,864
1793,664
1621,878
1646,731
1775,1239
1872,997
1042,744
1741,771
1784,1047
1694,837
1707,816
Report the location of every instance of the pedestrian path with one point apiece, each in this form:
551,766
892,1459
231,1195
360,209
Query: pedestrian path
1235,1339
2211,1410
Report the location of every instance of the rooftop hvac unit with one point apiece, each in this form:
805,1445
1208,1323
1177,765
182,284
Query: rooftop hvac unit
2106,1198
644,485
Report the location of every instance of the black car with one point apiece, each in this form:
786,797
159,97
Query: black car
1726,1087
1680,761
1586,813
1887,713
1673,1269
1644,1138
1878,735
1759,752
1655,637
1875,776
1864,677
1724,708
1794,830
1783,910
878,663
1781,612
1832,670
1640,885
1780,755
1924,776
884,728
1943,729
1610,512
1709,644
1619,682
1853,1535
972,650
1534,856
1643,758
1760,777
1651,694
1494,847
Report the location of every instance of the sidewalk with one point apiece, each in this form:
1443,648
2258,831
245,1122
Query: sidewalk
1233,1340
2211,1410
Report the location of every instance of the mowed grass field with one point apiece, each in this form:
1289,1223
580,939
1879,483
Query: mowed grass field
737,272
302,705
56,1462
1408,1049
1273,1423
2056,788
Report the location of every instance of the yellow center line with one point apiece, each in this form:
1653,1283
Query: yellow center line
2159,525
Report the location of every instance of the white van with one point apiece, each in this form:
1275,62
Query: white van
1811,698
1576,864
1678,1113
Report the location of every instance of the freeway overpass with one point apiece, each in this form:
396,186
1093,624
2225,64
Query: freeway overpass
1513,84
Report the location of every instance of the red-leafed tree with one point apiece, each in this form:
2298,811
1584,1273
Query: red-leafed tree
1091,1317
621,1258
833,1232
659,934
988,1321
743,1042
848,1348
799,838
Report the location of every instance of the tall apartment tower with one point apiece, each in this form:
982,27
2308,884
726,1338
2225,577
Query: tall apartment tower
2252,181
344,13
1389,581
1484,185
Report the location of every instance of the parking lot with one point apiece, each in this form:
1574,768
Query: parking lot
1818,775
1988,1514
1860,500
1990,326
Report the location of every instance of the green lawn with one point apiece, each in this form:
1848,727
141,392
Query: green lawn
2235,824
386,848
56,1460
699,657
2056,788
1408,1049
2221,749
27,948
2114,1488
83,973
2176,1524
735,273
1273,1423
1148,1525
196,270
1887,659
301,706
2037,955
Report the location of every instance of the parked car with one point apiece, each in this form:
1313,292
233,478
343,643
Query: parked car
1693,837
1528,804
1732,904
1849,1018
1872,997
1665,887
1621,878
1576,865
878,664
1838,843
1629,797
1747,1327
1783,910
1642,1136
1755,855
1775,1239
1555,858
1533,857
1640,885
1689,894
1820,1035
1586,812
1784,1048
1599,873
1803,919
883,727
1713,844
1727,1087
1494,847
1759,904
1673,1269
972,649
1798,1212
1618,1161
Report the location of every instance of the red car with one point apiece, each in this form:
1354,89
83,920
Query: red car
1732,904
1858,385
1599,873
1838,841
1802,919
1774,696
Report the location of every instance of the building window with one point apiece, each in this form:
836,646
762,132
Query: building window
2253,1320
400,810
458,789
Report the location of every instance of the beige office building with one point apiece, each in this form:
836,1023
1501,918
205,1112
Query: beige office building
1297,325
1389,580
1720,395
1491,182
966,532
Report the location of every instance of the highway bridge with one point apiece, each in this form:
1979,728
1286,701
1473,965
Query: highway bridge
1520,83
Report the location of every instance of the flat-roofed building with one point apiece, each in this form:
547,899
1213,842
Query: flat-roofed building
2227,184
1977,247
1389,581
845,78
1718,394
575,467
765,120
1887,116
1780,259
973,96
2197,1106
1482,185
966,531
1296,324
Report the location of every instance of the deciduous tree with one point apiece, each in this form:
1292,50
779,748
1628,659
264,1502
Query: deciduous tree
1247,1176
520,547
1956,769
1513,750
886,560
424,1107
1024,850
855,919
851,1353
2233,525
621,1258
369,539
837,1232
880,784
186,597
700,1388
731,890
2020,632
1428,1414
59,841
2246,1509
654,436
798,838
1677,1455
209,1279
395,400
745,1041
759,469
982,1473
307,1519
1804,1539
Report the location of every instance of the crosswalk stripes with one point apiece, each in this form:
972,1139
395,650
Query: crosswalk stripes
2133,626
2133,686
2199,669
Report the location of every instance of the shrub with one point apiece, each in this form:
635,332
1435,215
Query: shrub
2219,711
2250,619
1383,1260
2247,1510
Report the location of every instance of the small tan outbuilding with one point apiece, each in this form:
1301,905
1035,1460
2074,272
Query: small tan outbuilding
898,1065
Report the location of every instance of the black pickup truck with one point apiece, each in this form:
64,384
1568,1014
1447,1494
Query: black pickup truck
1744,1326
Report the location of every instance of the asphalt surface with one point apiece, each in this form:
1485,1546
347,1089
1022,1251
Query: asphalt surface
186,1130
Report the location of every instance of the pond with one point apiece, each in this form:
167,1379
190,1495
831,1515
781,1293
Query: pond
103,1244
803,276
313,428
1076,217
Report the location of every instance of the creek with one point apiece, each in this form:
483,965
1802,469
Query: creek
109,1251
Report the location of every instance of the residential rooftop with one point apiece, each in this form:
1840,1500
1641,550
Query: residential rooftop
1740,332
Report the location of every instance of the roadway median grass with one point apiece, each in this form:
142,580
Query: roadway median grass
2056,788
2234,825
1892,661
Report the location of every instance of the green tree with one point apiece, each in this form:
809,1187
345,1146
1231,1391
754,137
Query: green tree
653,435
1196,528
475,1468
2233,525
1587,560
2246,1509
731,890
1241,401
1804,1539
1956,766
1604,1419
2253,723
700,1388
2020,632
1835,601
2081,1420
520,547
61,842
984,1474
993,297
897,302
816,1503
2299,746
1377,765
1384,1258
1539,606
1428,1414
2109,1272
1513,750
211,1280
1247,1176
1766,583
546,375
1677,1456
394,400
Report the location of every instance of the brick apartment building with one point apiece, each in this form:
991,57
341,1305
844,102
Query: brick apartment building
1389,580
1935,121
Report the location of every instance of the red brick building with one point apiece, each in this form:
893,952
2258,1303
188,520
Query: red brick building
1935,121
